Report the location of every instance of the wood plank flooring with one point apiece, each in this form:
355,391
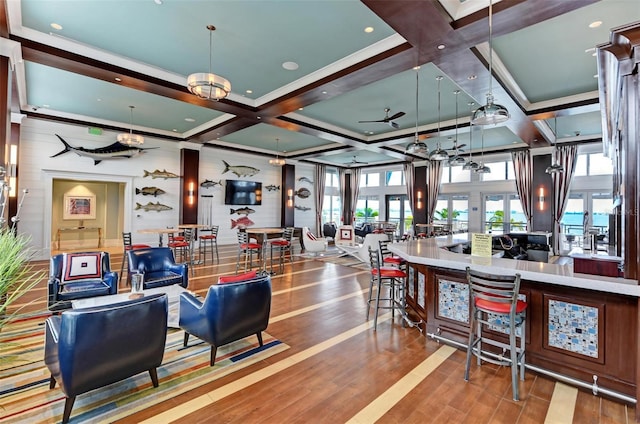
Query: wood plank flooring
338,370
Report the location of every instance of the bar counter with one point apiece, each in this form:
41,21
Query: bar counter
581,329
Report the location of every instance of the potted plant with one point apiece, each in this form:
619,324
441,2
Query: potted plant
16,273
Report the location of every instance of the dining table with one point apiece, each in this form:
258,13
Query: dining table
160,231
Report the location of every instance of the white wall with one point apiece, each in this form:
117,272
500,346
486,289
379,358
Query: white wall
37,170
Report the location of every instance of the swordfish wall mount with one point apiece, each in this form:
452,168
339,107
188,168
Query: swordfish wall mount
110,152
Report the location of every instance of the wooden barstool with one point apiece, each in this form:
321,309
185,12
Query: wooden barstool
282,245
495,306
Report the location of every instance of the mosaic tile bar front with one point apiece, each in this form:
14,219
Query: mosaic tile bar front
573,327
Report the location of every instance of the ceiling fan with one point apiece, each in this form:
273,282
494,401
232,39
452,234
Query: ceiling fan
387,119
355,161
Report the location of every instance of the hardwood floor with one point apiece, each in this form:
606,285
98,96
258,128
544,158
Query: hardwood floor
339,370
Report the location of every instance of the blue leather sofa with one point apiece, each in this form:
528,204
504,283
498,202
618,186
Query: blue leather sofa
81,358
231,311
79,275
158,266
361,230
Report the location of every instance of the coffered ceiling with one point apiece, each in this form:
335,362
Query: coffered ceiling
305,72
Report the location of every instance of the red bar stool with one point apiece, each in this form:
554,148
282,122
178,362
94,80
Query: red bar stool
282,246
495,305
392,278
179,245
208,242
389,258
247,248
128,245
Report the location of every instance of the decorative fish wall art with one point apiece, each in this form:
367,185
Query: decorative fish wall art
160,174
305,180
150,191
272,187
241,222
303,193
302,208
210,183
158,207
242,211
240,170
112,151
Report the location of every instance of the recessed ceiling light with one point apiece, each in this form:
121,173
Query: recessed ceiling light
290,66
189,119
300,108
472,77
590,49
415,68
99,99
158,2
368,29
56,26
259,117
323,92
174,130
249,91
118,79
595,76
441,46
45,105
595,24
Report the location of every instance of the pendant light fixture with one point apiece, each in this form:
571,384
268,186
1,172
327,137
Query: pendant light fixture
206,84
554,168
417,147
456,159
470,165
490,113
130,139
277,161
438,153
482,169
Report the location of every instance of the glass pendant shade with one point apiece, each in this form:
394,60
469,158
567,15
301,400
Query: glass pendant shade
417,148
439,154
457,161
208,85
470,166
483,169
277,161
130,139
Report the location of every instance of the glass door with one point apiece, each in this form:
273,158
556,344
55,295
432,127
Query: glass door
399,212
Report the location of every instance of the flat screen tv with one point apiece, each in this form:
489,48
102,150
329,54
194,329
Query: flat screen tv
242,193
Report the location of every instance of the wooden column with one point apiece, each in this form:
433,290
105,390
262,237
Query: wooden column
189,164
287,200
420,185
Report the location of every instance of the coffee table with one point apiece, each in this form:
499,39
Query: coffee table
173,296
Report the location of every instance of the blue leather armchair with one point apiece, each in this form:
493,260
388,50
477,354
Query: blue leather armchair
230,312
81,358
158,266
67,283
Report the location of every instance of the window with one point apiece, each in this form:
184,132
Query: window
394,178
503,213
331,179
500,171
331,209
367,208
371,179
455,174
592,164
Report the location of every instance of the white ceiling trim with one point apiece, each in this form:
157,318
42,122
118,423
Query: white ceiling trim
207,125
457,9
327,126
503,74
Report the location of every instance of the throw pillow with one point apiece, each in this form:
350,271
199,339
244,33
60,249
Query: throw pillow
81,266
311,236
235,278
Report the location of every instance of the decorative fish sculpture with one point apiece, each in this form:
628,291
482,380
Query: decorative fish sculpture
210,183
241,222
242,211
303,193
112,151
160,174
150,191
305,180
240,170
302,208
158,207
272,187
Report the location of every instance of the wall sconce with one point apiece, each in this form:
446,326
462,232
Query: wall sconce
419,199
12,171
290,198
191,193
541,199
258,195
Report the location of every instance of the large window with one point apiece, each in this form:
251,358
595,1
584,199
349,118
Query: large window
370,179
367,208
394,178
503,213
500,171
453,210
331,204
592,164
455,174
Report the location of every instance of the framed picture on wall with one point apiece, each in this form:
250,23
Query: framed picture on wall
79,207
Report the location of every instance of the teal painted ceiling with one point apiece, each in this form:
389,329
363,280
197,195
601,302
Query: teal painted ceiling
343,74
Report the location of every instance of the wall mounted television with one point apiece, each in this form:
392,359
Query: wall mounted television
238,192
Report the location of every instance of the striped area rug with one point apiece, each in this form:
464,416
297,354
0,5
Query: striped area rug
24,381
